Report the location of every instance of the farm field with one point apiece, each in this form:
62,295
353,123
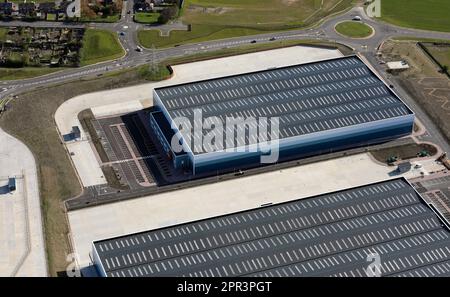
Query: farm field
216,19
100,45
262,14
418,14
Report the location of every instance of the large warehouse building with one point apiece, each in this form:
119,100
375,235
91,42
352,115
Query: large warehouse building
322,107
333,234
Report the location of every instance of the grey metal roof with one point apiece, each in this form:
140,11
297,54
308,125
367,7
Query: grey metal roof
330,234
307,98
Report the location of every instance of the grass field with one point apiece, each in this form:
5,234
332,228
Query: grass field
354,29
440,53
216,19
23,73
422,81
419,14
268,14
199,33
100,45
146,17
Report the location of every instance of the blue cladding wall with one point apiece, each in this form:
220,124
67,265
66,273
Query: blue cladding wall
303,146
296,150
180,160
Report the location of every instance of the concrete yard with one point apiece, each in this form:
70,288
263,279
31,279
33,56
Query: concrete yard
83,157
22,250
127,99
225,197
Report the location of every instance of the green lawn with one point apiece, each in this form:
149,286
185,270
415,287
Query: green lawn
216,19
51,17
100,45
22,73
146,17
255,47
3,32
101,19
354,29
199,33
419,14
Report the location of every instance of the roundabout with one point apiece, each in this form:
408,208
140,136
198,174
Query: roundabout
354,29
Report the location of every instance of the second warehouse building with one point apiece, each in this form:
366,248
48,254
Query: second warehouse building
321,107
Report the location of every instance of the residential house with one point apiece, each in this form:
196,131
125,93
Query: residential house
141,5
46,8
15,9
6,8
27,8
61,7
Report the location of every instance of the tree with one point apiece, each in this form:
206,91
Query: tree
175,2
445,69
167,14
107,10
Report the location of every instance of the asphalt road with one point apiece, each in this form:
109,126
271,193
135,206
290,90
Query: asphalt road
324,31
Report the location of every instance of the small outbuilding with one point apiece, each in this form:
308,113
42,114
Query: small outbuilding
12,184
397,65
76,132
